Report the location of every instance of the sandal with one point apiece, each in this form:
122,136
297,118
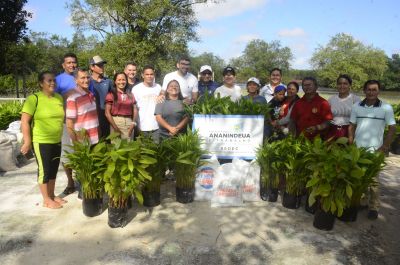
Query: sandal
69,190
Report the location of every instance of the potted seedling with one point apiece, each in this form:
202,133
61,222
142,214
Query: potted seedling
125,175
186,152
86,161
151,190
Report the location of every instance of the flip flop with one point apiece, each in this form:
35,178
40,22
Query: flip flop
69,190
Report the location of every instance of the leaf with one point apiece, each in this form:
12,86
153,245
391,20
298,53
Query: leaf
349,191
138,196
130,165
312,182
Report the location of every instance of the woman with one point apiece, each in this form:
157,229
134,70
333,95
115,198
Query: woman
341,107
121,111
253,89
170,113
45,112
275,79
287,106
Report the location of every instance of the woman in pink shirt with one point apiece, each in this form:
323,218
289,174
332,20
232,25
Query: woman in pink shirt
121,111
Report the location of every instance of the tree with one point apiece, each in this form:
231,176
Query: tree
391,78
13,21
346,55
154,31
259,57
208,58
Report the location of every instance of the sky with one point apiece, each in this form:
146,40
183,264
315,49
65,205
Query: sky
302,25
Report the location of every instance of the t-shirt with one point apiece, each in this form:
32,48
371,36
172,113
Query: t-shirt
257,99
268,92
209,87
172,111
64,83
371,122
48,117
124,105
341,108
100,90
310,113
187,83
276,106
81,106
146,103
234,93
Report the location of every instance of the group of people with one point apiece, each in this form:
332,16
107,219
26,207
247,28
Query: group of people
77,99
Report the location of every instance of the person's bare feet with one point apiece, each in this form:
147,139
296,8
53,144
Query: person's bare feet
60,201
51,204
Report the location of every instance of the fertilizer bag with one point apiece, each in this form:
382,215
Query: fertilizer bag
205,178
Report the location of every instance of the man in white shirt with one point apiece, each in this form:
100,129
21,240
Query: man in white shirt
146,95
188,82
275,79
229,88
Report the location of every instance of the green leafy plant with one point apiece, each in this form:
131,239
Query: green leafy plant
340,173
186,152
126,170
87,162
268,158
156,170
9,112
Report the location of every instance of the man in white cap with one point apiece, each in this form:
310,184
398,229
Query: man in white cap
188,82
253,90
206,82
100,86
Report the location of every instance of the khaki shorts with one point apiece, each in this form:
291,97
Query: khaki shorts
65,144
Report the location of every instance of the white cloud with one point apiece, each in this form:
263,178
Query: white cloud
209,32
245,38
227,8
295,32
301,63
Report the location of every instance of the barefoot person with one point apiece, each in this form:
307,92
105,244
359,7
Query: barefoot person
368,121
44,111
121,111
170,114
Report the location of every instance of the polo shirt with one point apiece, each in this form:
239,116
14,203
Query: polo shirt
210,87
81,106
123,106
100,90
310,113
371,122
48,117
187,83
257,99
64,83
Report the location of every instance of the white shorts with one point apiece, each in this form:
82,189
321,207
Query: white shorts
65,144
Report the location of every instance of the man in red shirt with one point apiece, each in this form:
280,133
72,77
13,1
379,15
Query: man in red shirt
311,114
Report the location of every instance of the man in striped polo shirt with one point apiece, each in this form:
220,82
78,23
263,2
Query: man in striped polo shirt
81,112
367,125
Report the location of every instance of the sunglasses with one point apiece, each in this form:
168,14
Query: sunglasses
206,73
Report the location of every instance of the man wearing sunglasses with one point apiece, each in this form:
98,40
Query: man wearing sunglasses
206,82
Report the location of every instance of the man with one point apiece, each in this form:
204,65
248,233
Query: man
147,95
81,111
188,82
206,82
100,86
367,125
253,88
130,71
65,85
275,79
311,114
229,88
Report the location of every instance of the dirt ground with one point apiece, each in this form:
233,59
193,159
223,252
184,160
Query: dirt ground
173,233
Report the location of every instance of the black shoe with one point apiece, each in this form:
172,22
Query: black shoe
372,215
69,190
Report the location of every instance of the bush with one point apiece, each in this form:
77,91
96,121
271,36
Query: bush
9,112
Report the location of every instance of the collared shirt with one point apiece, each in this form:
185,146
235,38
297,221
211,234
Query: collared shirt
310,113
209,86
257,99
268,92
371,122
64,83
100,90
81,106
124,104
187,83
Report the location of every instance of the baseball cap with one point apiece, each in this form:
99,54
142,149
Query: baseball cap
279,89
97,60
205,68
254,80
227,70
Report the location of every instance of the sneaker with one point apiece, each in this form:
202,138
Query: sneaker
372,214
69,190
